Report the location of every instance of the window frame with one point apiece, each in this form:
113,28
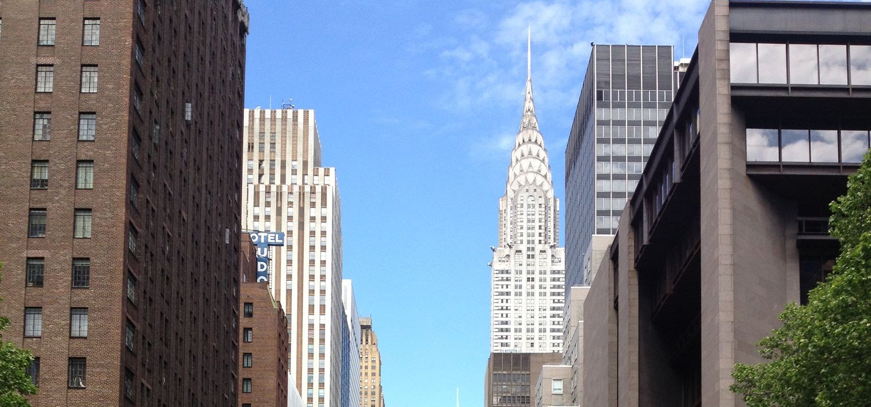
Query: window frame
33,229
42,166
81,372
83,230
44,78
47,32
90,75
84,174
78,322
91,38
33,322
42,126
81,265
34,276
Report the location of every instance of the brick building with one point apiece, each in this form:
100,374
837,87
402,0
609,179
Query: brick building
263,337
729,221
121,197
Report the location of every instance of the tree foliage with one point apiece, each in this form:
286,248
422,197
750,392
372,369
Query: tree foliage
14,381
821,356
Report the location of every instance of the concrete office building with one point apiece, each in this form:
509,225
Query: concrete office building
263,339
371,391
550,388
120,196
626,92
288,191
573,344
527,267
730,220
350,347
511,377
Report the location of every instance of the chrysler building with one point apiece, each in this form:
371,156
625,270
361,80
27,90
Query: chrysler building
527,287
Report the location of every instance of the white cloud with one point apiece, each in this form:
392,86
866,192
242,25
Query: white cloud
486,66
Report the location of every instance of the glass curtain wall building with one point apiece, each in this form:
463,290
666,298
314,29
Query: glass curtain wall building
627,91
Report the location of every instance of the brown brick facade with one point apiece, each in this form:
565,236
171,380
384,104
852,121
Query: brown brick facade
269,349
184,212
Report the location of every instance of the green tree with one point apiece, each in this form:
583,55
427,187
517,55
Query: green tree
821,356
14,381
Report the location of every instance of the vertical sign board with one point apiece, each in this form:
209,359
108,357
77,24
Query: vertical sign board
263,240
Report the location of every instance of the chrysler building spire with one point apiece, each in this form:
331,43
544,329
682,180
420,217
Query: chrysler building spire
529,121
528,244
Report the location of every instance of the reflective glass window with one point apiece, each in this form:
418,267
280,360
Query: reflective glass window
803,64
854,144
762,145
772,63
833,64
860,64
824,146
742,62
794,146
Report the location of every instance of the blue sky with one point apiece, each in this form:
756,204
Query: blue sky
417,104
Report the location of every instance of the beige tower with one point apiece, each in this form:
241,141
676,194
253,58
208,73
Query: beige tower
371,393
287,191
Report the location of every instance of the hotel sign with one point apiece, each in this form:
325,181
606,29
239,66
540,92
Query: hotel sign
263,241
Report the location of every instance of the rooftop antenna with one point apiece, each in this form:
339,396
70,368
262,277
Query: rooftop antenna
458,397
270,102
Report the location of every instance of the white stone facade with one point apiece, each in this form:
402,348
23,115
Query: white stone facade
528,271
286,190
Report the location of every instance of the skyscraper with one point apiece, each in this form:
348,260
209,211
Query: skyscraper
626,93
287,191
371,392
350,348
527,267
120,196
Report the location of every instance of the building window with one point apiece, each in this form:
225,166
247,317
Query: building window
860,64
137,99
84,175
81,273
91,35
134,193
138,54
246,385
47,31
131,240
87,126
42,126
128,384
35,272
79,323
140,11
131,288
136,144
89,78
44,78
36,223
248,335
130,336
33,371
77,373
249,310
82,229
246,360
556,386
38,174
32,322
